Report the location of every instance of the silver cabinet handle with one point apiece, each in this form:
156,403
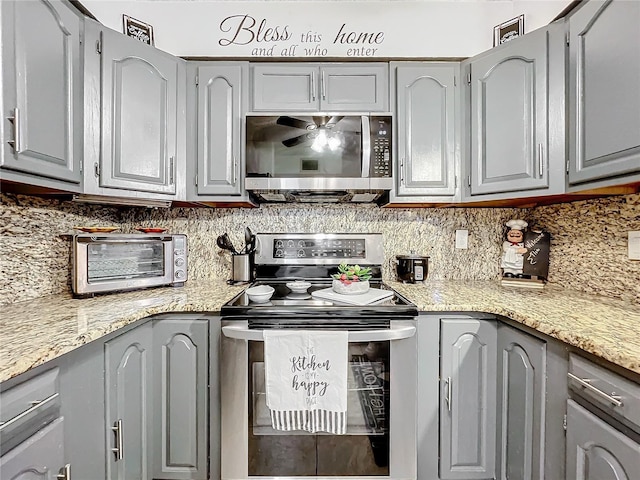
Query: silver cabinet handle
323,87
313,86
118,450
402,171
171,170
398,333
540,161
16,144
65,473
447,392
234,178
614,399
35,405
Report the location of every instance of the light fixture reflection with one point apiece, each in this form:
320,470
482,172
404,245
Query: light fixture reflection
323,140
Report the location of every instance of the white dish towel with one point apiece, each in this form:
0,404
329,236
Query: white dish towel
306,379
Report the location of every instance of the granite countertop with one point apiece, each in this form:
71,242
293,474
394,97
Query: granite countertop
40,330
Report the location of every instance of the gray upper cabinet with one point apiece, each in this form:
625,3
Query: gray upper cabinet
40,457
359,87
220,103
426,101
468,398
139,115
604,97
41,92
521,405
180,396
597,451
517,112
128,404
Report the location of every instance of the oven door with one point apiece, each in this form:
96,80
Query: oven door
381,431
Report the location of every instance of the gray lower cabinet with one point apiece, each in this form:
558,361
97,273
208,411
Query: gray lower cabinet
128,404
41,457
217,101
517,108
41,93
133,116
597,451
180,399
468,399
603,94
311,87
426,102
521,383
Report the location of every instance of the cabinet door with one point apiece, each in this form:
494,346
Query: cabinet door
280,87
425,125
604,98
39,458
468,393
353,88
128,398
521,404
180,394
597,451
220,93
509,120
42,89
139,116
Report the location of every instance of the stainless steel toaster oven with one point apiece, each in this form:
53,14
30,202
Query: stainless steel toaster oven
115,262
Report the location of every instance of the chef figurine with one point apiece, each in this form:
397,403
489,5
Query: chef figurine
513,249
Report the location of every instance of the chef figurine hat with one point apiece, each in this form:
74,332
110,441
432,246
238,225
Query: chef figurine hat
517,224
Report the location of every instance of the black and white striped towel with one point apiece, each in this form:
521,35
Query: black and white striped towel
306,379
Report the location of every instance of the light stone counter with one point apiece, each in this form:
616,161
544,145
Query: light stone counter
36,331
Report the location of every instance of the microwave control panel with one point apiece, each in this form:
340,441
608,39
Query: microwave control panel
380,146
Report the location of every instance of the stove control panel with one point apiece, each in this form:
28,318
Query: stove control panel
287,248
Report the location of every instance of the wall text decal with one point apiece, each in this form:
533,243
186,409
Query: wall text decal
273,40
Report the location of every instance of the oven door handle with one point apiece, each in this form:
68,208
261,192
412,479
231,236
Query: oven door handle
399,333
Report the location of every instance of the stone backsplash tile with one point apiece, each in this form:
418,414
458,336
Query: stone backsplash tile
588,249
589,245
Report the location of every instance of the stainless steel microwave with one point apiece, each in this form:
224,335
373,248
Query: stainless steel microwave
314,156
115,262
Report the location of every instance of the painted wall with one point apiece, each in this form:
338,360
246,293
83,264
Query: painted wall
349,29
588,251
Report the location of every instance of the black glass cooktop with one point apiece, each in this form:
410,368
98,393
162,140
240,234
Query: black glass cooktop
285,302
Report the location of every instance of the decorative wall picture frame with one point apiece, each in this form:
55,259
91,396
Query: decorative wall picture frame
136,29
508,30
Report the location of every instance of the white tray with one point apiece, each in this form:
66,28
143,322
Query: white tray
372,296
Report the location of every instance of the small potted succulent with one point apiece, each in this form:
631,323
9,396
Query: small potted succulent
351,279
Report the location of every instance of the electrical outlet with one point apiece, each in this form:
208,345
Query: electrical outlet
462,239
634,245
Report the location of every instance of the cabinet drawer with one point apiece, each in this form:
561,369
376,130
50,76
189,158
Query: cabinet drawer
609,391
27,407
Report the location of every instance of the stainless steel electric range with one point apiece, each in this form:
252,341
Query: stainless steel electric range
381,434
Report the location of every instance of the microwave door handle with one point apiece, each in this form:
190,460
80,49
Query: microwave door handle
399,333
366,146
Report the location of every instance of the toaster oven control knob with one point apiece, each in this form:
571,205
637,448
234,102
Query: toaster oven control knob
179,262
179,273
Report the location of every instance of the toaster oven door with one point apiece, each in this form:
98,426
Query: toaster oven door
109,264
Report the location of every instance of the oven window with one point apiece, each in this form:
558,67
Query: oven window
301,146
364,450
120,261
